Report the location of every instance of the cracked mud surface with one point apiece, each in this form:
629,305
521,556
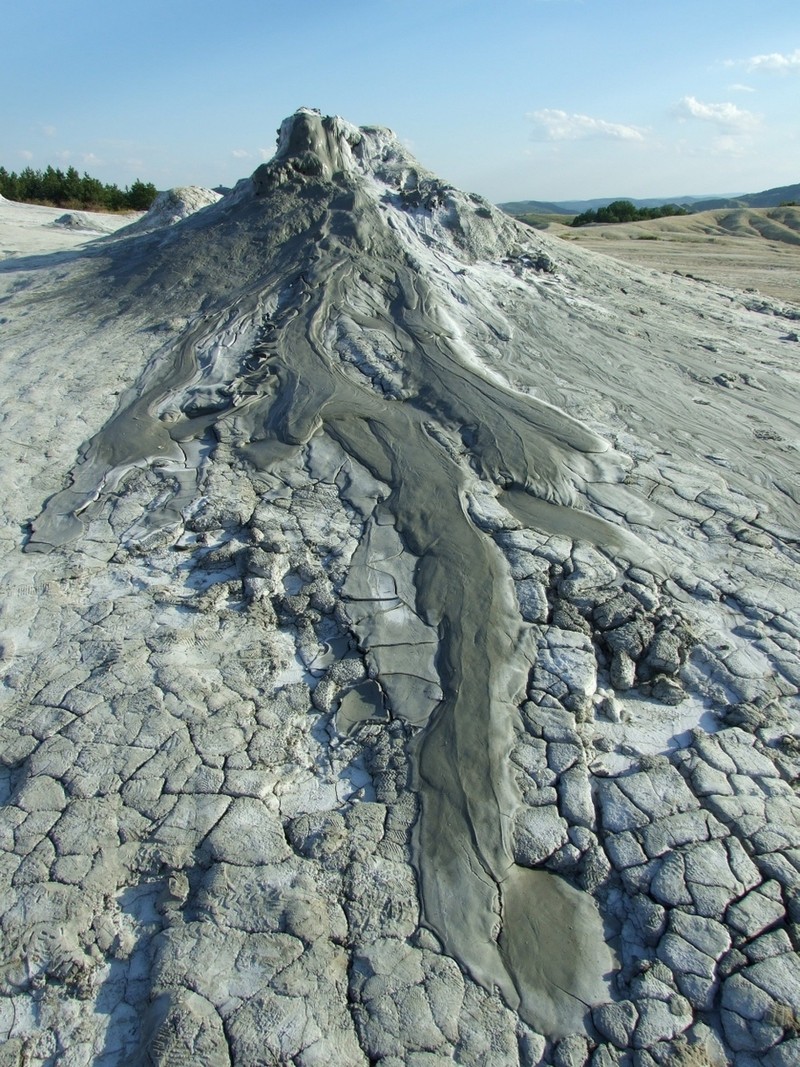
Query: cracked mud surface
407,670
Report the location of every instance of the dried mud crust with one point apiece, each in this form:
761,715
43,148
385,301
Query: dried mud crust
234,833
359,699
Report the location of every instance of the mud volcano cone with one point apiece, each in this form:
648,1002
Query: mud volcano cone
402,516
347,319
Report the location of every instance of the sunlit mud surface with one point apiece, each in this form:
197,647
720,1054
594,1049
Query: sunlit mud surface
344,336
383,460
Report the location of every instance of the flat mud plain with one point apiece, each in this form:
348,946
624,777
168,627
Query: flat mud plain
401,637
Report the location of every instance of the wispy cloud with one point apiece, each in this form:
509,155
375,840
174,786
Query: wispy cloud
240,153
48,130
729,145
726,115
555,125
783,63
737,87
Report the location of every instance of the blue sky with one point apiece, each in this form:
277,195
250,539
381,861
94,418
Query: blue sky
517,99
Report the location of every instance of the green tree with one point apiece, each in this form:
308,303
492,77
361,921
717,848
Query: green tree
626,211
585,219
8,184
141,195
92,192
30,185
72,186
53,186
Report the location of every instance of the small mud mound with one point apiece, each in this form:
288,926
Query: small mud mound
174,205
83,222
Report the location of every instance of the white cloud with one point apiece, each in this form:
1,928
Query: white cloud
726,115
91,160
48,131
240,153
775,61
266,153
558,125
26,154
737,87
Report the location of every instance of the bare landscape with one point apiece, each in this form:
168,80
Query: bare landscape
401,629
743,248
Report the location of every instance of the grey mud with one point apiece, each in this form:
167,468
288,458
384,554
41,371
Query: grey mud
307,272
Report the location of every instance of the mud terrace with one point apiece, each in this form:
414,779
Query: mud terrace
400,637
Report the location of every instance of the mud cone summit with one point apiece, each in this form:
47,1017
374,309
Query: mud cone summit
401,639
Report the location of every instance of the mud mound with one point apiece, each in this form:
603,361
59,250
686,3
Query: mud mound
173,206
83,222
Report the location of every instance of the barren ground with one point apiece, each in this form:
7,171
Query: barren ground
743,249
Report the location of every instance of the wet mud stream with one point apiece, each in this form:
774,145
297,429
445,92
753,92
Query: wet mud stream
284,373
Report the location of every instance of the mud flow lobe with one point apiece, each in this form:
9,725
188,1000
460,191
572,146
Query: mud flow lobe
336,284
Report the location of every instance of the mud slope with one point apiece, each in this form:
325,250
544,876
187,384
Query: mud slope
404,605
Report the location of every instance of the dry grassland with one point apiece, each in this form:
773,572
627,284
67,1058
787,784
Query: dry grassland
746,248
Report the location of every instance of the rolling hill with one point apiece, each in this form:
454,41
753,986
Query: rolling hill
767,198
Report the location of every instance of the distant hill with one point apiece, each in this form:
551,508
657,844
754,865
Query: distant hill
535,207
767,198
576,207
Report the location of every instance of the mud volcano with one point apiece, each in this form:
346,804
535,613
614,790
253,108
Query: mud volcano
365,463
344,336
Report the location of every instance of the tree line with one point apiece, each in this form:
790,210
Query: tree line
68,189
626,211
